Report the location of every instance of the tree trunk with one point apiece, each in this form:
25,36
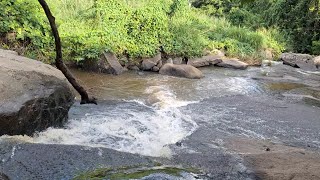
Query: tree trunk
59,62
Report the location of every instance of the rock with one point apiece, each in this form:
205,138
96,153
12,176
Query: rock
218,53
303,61
181,70
233,63
177,60
316,62
204,61
155,68
133,67
34,96
170,61
108,63
270,63
147,64
159,65
114,65
267,53
3,177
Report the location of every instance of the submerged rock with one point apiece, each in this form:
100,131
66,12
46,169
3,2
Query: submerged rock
34,96
205,61
233,63
303,61
181,70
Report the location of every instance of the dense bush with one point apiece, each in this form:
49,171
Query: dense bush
22,23
297,20
132,28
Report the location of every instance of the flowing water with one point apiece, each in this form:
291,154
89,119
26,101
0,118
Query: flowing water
143,112
140,113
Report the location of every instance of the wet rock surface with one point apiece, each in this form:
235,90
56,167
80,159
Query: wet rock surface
233,63
250,124
303,61
34,96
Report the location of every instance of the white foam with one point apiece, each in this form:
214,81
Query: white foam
147,133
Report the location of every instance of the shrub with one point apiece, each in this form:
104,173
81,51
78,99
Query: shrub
130,27
27,24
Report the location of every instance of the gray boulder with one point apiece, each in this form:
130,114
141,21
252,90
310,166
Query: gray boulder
181,70
113,66
34,96
303,61
205,61
316,62
147,64
233,63
108,63
177,60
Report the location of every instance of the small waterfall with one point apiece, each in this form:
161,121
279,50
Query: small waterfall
144,127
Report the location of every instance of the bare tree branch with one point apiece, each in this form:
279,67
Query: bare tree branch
59,62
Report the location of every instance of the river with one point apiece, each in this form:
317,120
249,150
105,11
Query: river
160,116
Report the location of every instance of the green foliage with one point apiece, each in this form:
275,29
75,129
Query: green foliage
300,19
316,47
137,28
26,23
243,42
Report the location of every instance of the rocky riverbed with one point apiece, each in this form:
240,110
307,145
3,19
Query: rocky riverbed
259,123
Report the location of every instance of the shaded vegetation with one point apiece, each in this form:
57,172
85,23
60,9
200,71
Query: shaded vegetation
297,20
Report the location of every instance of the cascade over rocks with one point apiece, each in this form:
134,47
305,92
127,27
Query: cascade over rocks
233,63
181,70
34,96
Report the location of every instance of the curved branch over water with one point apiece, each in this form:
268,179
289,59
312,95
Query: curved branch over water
85,99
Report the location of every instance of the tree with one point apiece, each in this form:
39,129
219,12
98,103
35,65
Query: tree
85,99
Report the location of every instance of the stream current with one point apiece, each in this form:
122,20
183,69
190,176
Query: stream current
144,113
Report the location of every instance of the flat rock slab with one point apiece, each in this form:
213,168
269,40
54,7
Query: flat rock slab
20,161
205,61
233,63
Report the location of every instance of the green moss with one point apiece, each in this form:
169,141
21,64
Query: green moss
132,172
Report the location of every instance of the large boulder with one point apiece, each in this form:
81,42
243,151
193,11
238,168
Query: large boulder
181,70
147,64
34,96
303,61
233,63
205,61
